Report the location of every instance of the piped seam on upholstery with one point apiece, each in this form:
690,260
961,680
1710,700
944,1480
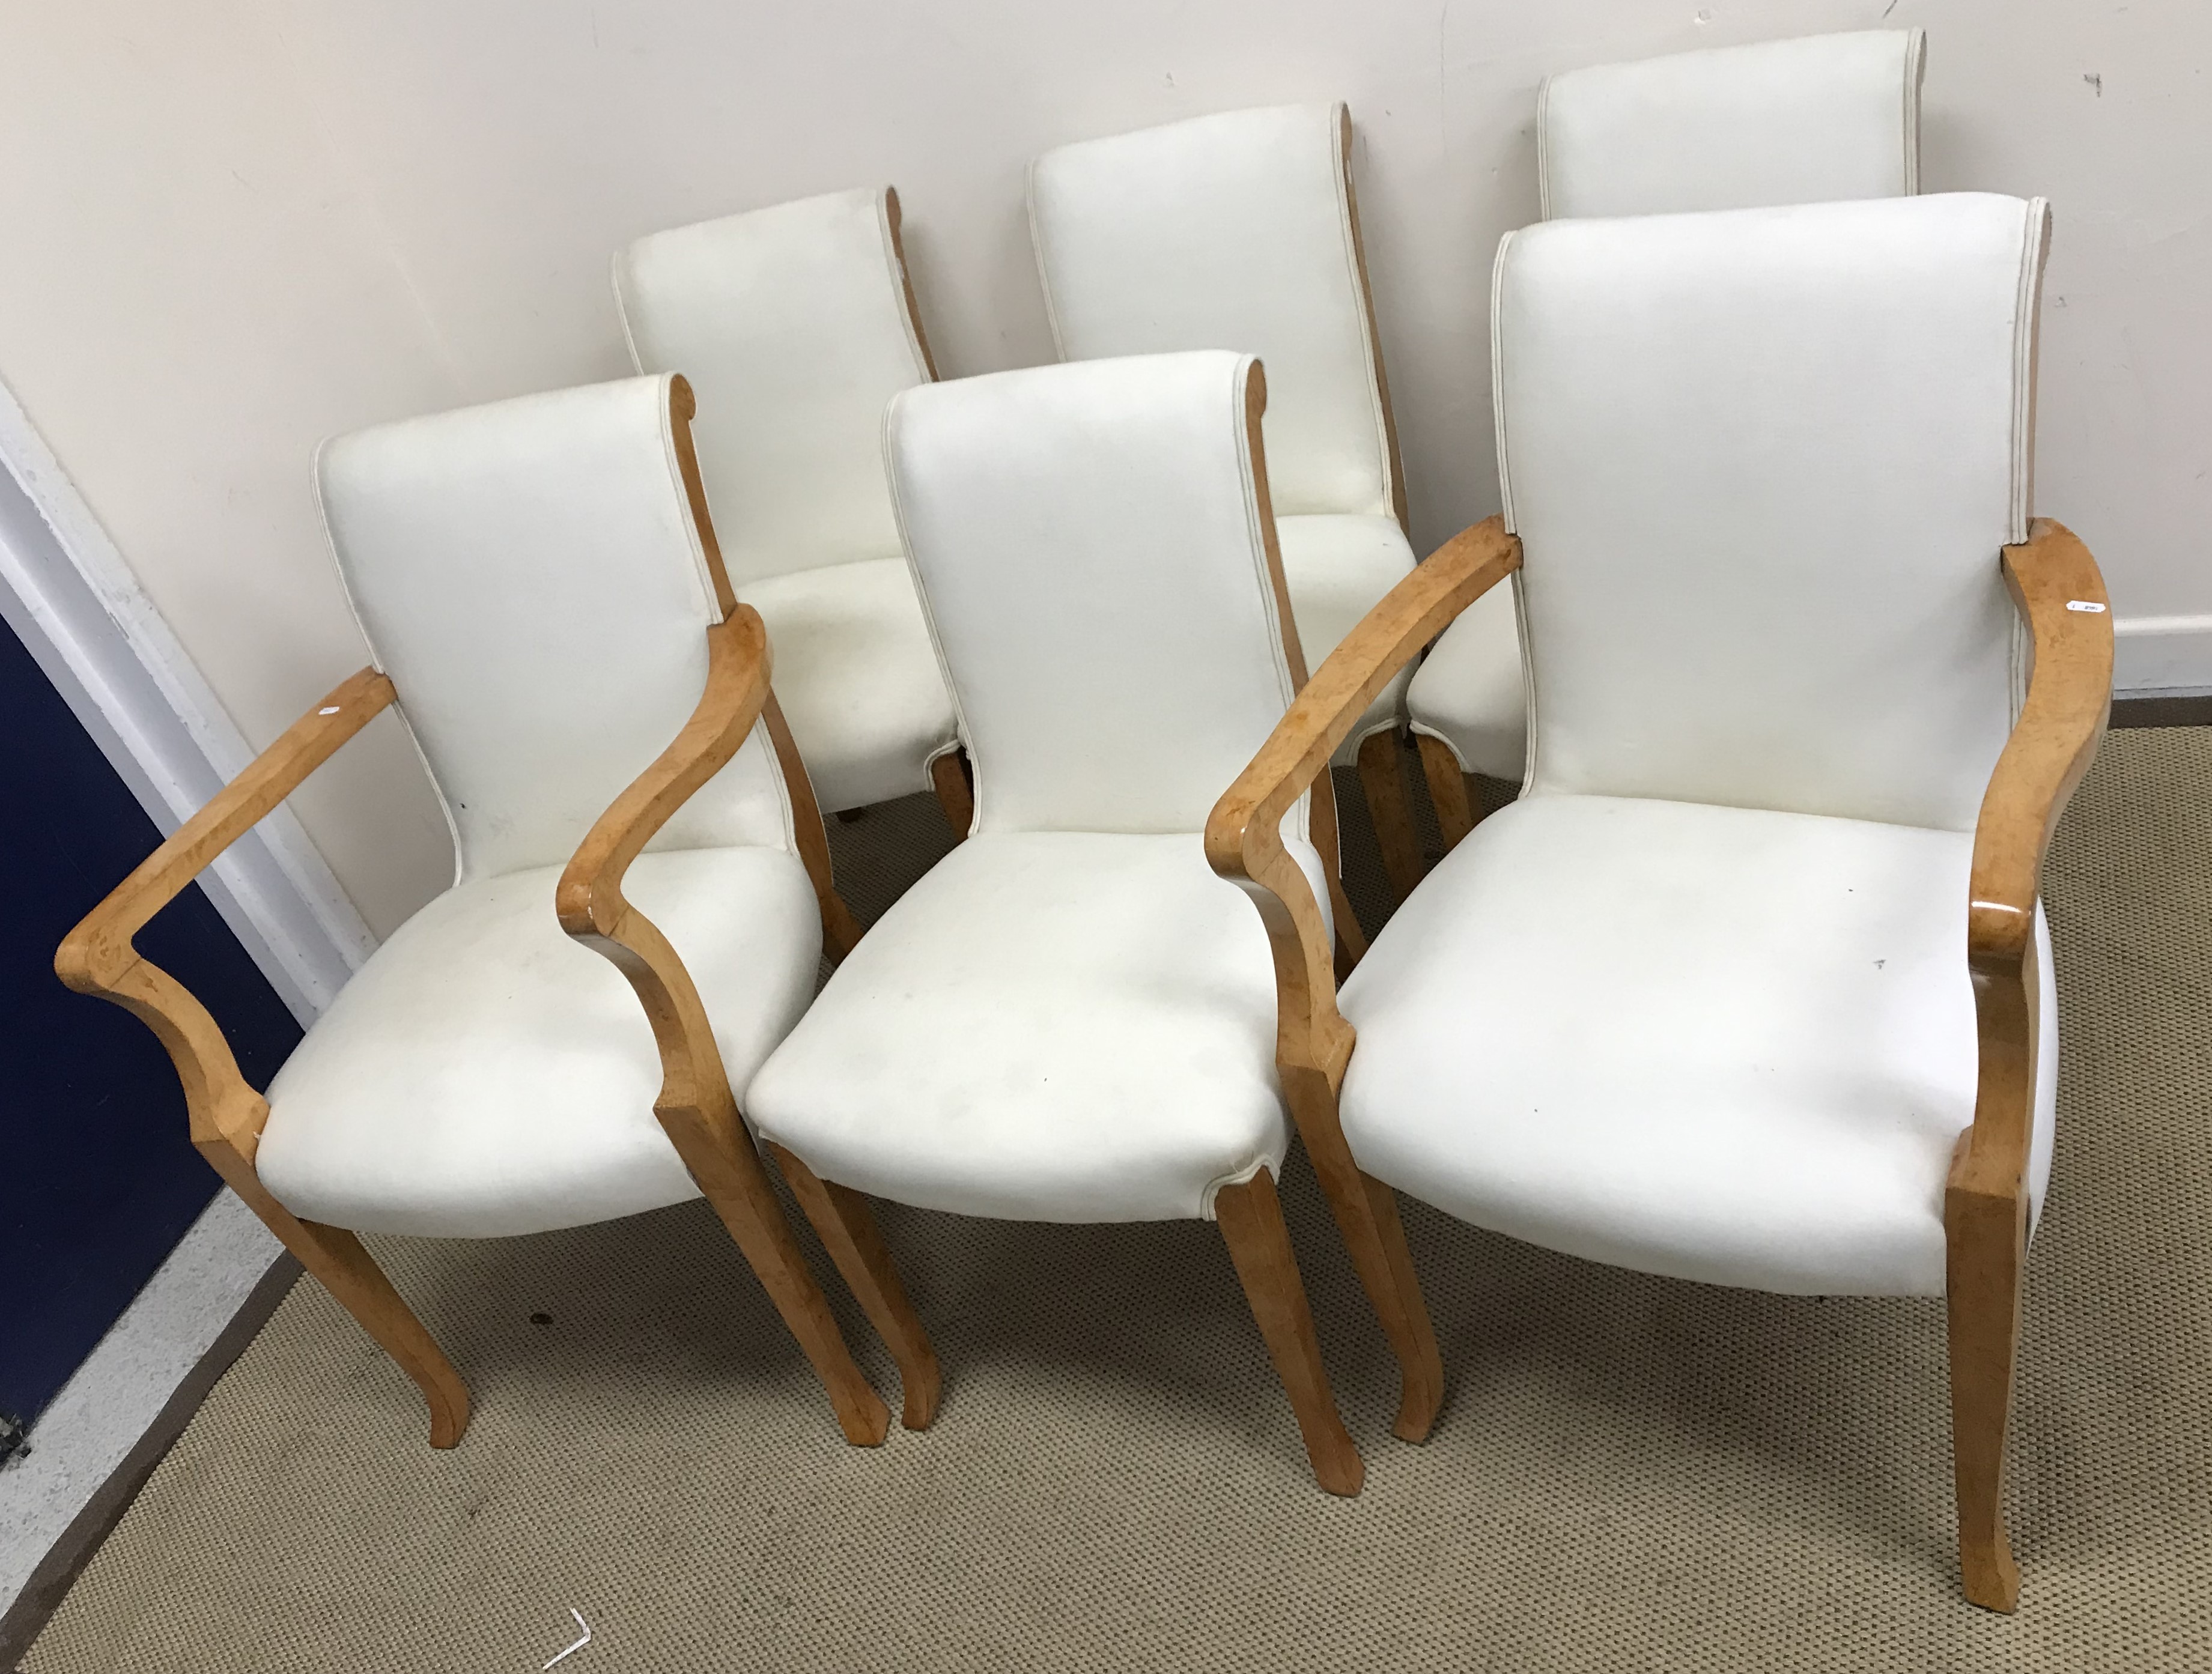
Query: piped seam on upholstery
1916,68
1036,255
895,266
1340,124
1214,1187
961,737
399,704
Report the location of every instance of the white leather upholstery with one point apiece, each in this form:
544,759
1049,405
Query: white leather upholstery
854,664
1698,1002
1228,231
1089,545
1338,569
1761,462
529,575
790,324
793,325
1236,232
1472,689
1050,1026
1824,116
1813,120
1071,1018
1721,1044
484,1075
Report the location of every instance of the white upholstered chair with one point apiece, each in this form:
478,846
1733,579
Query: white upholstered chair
1070,1018
1820,119
545,611
795,325
1752,986
1240,232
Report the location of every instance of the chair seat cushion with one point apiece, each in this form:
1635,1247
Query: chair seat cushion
858,678
482,1075
1338,569
1716,1043
1470,691
1050,1026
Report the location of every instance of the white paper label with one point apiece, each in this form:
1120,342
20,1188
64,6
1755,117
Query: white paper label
2088,605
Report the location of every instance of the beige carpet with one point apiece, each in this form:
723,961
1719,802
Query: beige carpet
1630,1474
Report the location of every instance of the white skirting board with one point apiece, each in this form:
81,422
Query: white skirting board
2162,654
114,1419
73,601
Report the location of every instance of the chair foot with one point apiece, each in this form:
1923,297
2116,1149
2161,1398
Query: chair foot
1251,1220
954,781
1448,792
1413,1336
1389,805
843,1220
1985,1234
729,1171
344,1267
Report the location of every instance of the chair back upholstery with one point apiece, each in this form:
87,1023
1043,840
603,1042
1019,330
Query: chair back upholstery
795,326
1806,121
1097,563
1231,232
1761,462
530,575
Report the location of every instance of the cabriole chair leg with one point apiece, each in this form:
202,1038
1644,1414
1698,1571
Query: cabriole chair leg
1389,804
1366,1212
342,1266
845,1226
729,1172
955,784
1447,793
1987,1238
1251,1221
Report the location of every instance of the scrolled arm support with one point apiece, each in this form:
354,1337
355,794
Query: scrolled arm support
1244,835
2057,587
98,957
589,898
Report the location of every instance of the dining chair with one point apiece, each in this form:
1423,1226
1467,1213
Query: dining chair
795,325
1240,230
1818,119
539,587
1070,1018
1752,985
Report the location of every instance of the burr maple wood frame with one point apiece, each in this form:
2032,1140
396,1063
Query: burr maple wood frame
695,1105
2056,585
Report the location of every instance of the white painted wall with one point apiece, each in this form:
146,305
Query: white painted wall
228,236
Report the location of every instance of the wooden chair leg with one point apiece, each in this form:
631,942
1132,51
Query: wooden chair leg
847,1230
1456,815
1986,1236
1366,1212
729,1171
1389,804
1251,1220
335,1257
954,781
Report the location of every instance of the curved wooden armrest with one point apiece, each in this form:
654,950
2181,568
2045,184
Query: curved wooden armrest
2056,587
589,898
1244,835
98,958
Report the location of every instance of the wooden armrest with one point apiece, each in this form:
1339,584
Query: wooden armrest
1243,837
589,898
2056,587
98,958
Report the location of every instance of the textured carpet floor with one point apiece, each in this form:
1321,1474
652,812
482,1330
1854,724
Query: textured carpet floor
1631,1473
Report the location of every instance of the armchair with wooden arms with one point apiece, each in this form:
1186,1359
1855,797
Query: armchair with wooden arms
1813,119
541,590
1752,985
